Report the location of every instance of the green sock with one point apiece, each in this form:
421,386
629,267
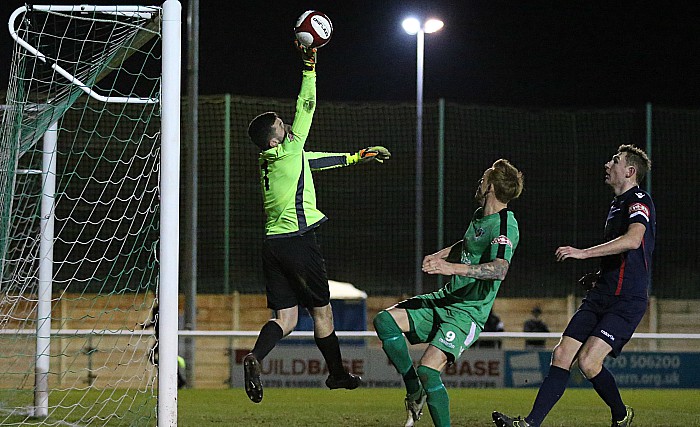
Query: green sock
438,400
394,345
413,386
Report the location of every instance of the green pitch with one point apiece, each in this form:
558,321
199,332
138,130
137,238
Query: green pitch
384,407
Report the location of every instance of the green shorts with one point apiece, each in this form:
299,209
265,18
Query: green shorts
449,330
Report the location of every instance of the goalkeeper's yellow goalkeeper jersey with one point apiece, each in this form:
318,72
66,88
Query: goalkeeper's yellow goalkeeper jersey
289,196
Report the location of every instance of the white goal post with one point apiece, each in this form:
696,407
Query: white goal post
89,218
169,216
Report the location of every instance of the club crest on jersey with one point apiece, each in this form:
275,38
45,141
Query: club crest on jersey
478,232
639,209
502,240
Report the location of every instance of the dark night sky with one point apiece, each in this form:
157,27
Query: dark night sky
491,52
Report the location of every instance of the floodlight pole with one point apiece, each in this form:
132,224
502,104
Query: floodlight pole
420,41
413,26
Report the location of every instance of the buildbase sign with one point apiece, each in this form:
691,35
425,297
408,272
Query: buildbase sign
303,366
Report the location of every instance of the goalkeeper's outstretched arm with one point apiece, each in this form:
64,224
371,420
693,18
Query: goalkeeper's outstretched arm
322,161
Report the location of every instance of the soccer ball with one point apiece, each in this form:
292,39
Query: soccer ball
313,29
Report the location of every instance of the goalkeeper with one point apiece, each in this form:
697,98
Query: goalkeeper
294,268
451,319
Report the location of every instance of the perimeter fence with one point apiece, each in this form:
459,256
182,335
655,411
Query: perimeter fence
370,238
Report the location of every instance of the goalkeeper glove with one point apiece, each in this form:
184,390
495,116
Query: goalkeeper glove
377,153
588,280
308,56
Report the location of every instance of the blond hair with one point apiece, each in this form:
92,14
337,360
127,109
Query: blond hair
506,179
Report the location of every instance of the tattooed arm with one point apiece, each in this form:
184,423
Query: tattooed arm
494,270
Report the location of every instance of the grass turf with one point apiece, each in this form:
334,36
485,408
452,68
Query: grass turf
384,407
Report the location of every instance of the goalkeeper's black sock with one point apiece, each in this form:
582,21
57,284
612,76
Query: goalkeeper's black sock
330,349
269,335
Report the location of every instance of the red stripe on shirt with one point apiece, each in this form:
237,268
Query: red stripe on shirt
622,276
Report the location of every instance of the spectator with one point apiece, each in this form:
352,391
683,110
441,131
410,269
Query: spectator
493,324
535,324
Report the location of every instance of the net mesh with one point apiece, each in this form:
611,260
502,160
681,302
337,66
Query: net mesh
370,238
105,212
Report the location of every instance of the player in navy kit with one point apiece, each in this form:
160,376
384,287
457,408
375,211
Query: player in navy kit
617,299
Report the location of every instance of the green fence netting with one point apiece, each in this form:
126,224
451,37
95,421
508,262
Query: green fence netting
370,238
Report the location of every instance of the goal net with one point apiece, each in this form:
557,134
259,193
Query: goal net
81,215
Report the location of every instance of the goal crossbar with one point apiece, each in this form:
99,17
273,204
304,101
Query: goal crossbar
145,12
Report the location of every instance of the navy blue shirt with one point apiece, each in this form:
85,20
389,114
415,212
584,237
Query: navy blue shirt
628,273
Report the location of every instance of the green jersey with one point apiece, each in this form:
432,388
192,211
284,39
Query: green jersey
487,238
452,318
289,195
466,298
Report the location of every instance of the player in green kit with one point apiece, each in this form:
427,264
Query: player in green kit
451,319
293,265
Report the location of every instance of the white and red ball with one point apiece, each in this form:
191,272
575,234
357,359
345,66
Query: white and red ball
313,29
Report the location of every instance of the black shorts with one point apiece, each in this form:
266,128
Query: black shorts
295,272
610,318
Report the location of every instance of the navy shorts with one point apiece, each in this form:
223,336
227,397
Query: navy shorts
610,318
295,272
